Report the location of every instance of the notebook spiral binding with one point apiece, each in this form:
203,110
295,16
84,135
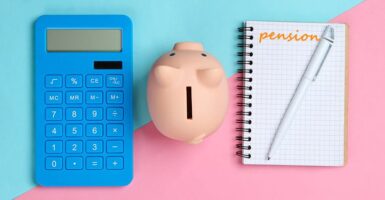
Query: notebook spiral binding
244,87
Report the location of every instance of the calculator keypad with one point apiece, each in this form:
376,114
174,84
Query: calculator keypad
84,122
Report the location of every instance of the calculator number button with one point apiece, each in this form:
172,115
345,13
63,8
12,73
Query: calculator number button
74,114
94,81
94,163
74,147
53,98
54,163
94,114
114,130
94,97
115,146
114,97
74,98
54,147
74,130
114,114
114,81
94,147
94,130
53,114
114,162
53,130
74,81
53,81
74,163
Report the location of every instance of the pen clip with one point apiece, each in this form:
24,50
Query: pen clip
322,63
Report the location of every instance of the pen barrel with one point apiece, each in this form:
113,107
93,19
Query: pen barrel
288,116
317,59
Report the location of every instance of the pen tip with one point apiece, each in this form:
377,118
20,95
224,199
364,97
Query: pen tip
268,158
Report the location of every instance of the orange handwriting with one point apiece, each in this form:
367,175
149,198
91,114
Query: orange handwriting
297,37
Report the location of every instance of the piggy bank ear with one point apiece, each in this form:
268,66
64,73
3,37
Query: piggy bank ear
166,75
210,77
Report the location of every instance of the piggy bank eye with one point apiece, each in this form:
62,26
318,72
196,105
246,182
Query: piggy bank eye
166,75
210,77
204,55
172,54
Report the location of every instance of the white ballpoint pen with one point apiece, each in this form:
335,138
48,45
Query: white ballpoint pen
310,74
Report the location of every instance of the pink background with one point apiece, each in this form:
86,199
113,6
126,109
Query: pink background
170,170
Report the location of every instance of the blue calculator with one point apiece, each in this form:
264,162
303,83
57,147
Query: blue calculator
83,100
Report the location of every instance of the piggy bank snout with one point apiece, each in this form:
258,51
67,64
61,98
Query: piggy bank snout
166,75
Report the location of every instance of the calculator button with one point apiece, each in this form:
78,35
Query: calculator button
115,146
114,114
74,146
94,146
74,130
94,130
114,81
53,130
53,147
54,163
53,98
94,163
53,81
94,114
74,98
74,114
94,97
94,81
114,130
114,162
114,97
74,81
53,114
74,163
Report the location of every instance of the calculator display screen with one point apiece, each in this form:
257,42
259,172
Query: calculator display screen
82,40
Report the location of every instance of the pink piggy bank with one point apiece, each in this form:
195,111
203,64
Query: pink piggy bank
187,93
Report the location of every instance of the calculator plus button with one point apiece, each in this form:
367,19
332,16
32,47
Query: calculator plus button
74,81
74,97
74,130
94,97
53,81
114,130
53,114
74,163
74,146
114,162
94,114
54,163
114,81
114,114
53,130
53,98
53,147
94,146
74,114
94,130
115,146
114,97
94,81
94,163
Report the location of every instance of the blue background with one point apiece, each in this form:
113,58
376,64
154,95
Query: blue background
157,26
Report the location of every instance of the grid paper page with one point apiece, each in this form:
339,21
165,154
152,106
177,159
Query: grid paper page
316,134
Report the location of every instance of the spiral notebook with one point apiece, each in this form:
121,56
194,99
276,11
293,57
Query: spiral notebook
274,57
